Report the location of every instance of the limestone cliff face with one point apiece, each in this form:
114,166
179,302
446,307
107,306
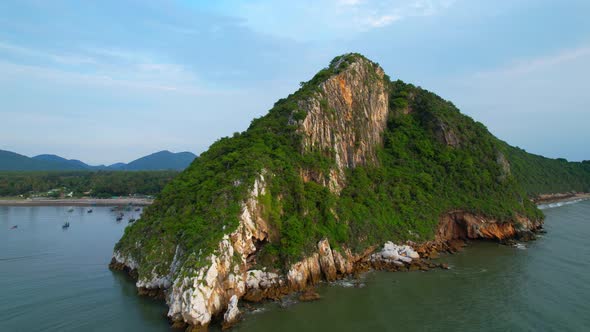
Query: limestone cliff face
346,119
196,296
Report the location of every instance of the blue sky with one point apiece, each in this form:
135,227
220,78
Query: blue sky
107,81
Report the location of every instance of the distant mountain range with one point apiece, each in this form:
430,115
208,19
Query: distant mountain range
163,160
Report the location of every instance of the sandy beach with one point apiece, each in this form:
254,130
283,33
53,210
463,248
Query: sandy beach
76,202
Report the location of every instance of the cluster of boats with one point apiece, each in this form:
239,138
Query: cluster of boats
121,214
118,218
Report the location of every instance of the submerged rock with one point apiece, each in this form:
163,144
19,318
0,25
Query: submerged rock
309,295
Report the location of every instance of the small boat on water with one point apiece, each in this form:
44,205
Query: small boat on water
65,225
89,211
14,227
131,220
119,218
71,209
138,209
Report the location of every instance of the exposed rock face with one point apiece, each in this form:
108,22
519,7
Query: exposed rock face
305,272
195,297
463,225
504,166
346,119
198,298
392,252
343,264
445,134
232,315
327,263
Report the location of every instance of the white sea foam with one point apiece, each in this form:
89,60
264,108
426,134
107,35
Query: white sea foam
520,246
559,204
344,283
258,311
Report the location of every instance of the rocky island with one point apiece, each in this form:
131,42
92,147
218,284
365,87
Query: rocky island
353,171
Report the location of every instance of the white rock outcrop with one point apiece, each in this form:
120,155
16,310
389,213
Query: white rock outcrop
397,254
261,280
232,315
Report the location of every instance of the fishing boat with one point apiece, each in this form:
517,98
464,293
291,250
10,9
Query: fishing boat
14,227
65,225
89,211
71,209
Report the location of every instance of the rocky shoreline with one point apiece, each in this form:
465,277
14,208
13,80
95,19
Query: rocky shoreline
560,197
301,280
326,265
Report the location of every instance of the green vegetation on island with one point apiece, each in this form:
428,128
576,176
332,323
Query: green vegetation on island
433,160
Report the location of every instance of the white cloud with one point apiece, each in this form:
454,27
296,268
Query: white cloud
65,59
534,64
381,21
101,67
381,13
330,19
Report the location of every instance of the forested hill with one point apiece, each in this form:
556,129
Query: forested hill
163,160
355,157
351,160
541,175
10,161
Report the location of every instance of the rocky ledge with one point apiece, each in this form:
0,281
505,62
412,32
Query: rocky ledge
560,197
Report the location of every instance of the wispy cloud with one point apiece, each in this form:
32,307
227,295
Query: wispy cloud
531,65
311,19
368,14
65,59
102,67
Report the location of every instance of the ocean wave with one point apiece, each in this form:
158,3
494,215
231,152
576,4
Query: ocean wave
559,204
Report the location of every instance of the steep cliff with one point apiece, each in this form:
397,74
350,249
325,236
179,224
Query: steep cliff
350,163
